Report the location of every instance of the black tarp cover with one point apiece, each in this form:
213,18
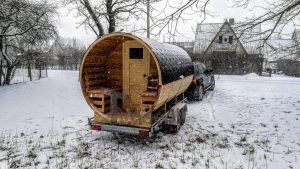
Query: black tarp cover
175,63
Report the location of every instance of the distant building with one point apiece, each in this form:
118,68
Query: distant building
228,48
283,54
227,37
296,38
65,53
187,46
275,50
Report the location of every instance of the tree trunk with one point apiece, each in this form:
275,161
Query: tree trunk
111,17
46,67
40,71
29,71
89,8
1,71
8,76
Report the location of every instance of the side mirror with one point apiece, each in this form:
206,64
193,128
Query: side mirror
206,71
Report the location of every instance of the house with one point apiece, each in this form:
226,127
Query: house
228,48
284,54
187,46
65,53
277,49
296,38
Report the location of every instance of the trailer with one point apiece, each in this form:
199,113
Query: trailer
135,85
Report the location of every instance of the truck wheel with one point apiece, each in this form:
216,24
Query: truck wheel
200,93
212,86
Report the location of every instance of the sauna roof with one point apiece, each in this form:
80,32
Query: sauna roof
174,62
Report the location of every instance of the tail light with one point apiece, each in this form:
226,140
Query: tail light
144,133
95,127
194,81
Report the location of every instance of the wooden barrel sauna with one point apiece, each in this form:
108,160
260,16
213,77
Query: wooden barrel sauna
125,78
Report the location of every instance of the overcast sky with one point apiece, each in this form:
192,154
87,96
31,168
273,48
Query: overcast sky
68,23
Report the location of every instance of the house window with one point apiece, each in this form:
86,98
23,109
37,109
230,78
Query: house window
230,39
225,39
220,39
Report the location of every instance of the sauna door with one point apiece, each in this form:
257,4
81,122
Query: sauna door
136,70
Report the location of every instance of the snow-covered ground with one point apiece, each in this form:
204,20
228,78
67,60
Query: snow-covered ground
246,122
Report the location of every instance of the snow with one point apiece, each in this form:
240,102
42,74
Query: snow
54,101
246,122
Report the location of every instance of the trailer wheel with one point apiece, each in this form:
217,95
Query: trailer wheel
172,129
182,117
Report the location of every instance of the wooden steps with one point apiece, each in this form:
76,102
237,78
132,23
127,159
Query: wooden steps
101,101
150,96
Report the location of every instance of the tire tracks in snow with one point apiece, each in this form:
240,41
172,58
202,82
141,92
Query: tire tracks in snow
212,110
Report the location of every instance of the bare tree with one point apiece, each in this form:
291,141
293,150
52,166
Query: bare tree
99,14
23,24
70,57
279,14
173,13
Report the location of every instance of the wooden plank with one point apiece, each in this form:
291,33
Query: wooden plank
145,98
104,110
94,76
115,77
101,102
99,95
116,52
94,64
91,88
96,59
95,82
147,106
96,69
114,66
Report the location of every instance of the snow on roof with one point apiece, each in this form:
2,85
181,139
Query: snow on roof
250,39
205,33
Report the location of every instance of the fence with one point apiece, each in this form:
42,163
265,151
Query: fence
30,71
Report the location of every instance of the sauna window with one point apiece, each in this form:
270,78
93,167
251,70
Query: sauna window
136,53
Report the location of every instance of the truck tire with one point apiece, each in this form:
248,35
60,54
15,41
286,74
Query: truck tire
200,93
212,85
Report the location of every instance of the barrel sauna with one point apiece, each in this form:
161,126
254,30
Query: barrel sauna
125,78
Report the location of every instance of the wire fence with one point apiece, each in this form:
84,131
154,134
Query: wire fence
30,71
